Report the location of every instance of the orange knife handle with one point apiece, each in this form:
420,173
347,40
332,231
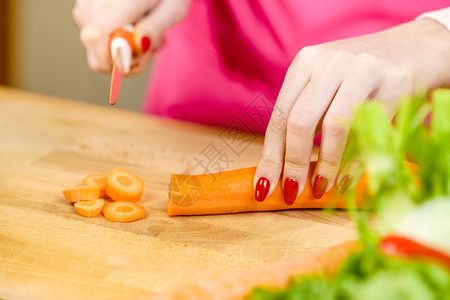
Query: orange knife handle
127,35
122,44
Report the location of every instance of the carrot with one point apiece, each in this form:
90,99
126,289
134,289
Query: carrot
96,179
238,284
85,192
123,185
232,192
90,208
123,211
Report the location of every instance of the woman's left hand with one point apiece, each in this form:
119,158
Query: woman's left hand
326,82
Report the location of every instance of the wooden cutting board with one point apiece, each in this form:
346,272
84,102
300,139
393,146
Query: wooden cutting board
48,251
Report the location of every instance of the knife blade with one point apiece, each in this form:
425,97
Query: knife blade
122,49
116,81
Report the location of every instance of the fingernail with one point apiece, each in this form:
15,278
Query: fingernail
345,184
320,185
290,190
145,43
262,189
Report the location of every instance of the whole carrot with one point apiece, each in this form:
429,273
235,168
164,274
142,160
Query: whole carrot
238,284
232,192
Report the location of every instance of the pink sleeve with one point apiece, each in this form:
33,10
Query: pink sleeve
228,59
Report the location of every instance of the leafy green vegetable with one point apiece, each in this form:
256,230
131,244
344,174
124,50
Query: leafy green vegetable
383,279
383,147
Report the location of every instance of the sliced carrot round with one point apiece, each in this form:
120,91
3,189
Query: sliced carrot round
94,179
123,211
123,185
85,192
90,208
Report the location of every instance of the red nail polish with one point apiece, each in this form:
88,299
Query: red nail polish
262,189
345,184
320,185
145,43
290,190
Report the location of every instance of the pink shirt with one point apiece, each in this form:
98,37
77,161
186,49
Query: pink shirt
225,63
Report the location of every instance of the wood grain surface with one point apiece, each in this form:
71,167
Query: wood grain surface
48,251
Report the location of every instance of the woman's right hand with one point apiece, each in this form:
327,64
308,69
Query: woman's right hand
98,19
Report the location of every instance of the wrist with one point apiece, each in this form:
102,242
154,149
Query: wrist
436,39
441,16
438,23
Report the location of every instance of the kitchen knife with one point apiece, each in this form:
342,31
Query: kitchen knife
122,49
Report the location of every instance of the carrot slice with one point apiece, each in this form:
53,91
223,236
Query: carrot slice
85,192
123,185
90,208
123,211
96,179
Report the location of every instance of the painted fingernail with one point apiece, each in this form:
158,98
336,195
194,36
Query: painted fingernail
145,43
290,190
345,184
320,185
262,189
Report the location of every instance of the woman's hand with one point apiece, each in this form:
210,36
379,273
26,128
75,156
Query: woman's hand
323,85
97,19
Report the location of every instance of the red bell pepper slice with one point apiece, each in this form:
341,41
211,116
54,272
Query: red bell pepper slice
402,246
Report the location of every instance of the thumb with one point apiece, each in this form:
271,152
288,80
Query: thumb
150,30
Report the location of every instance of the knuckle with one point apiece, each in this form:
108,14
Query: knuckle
334,59
368,59
305,54
309,51
295,163
270,162
331,59
83,37
299,126
89,35
334,128
277,125
397,82
330,161
357,163
401,76
337,56
95,65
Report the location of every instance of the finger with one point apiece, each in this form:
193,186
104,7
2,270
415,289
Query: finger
150,30
270,165
98,55
302,122
335,129
350,174
139,63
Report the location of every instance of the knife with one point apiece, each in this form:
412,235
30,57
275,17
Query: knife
122,49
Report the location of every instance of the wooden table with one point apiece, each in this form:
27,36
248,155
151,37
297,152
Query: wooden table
48,251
